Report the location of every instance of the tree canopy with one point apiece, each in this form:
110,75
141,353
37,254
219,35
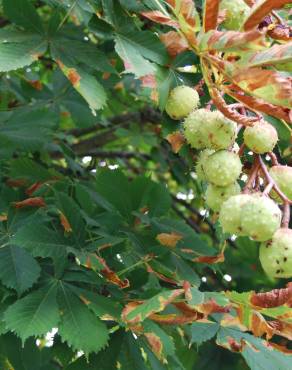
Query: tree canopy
145,185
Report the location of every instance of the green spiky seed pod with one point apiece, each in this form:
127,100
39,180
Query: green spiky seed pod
192,128
236,12
222,168
217,195
182,101
261,138
276,255
230,213
260,217
282,175
217,131
201,160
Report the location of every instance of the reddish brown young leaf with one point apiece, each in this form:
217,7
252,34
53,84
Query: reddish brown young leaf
211,13
30,202
274,298
188,18
260,10
218,40
174,42
159,17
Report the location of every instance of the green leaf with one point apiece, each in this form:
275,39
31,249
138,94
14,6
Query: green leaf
41,241
26,129
99,304
87,86
79,327
35,314
14,55
24,357
18,269
203,331
27,169
23,13
134,62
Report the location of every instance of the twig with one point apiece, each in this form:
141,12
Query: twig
114,154
285,199
252,176
286,215
274,158
241,150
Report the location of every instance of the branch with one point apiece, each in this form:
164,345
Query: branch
114,154
146,114
187,220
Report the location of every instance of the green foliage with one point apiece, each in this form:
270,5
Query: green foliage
109,258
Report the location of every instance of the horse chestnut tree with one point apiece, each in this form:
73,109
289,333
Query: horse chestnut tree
145,185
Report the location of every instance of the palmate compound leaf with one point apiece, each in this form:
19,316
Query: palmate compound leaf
79,327
18,269
35,314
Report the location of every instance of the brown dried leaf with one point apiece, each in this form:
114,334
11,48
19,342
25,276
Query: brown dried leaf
174,42
16,183
211,13
176,140
210,259
65,223
212,306
260,327
173,319
260,105
169,240
33,188
159,275
274,298
260,10
263,83
111,276
30,202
